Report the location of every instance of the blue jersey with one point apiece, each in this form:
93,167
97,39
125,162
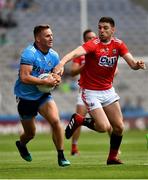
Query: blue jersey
41,63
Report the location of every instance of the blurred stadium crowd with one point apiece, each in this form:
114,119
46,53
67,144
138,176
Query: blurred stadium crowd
18,17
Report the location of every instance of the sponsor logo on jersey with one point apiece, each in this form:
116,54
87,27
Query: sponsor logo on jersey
107,61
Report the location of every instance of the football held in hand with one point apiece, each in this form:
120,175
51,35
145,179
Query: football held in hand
50,76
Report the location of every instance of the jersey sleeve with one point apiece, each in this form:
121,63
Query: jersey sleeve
27,57
91,45
123,49
79,60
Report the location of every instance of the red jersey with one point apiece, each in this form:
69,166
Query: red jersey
100,63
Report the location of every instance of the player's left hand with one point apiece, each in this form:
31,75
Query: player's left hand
141,65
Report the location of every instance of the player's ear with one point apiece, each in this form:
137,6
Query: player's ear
113,30
37,38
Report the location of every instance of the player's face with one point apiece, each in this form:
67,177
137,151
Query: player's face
46,38
89,36
106,31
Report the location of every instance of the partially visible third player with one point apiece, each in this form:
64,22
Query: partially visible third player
76,68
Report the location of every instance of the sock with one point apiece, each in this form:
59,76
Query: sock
74,148
61,154
22,144
90,123
75,142
115,142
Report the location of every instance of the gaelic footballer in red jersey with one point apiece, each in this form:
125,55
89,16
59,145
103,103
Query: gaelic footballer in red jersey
98,93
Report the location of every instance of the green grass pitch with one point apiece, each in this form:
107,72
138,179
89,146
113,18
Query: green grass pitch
91,164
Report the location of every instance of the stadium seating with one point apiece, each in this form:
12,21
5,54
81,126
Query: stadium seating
64,18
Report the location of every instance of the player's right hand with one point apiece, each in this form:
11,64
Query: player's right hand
50,80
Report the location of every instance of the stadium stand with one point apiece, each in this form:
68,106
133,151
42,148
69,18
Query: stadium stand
64,17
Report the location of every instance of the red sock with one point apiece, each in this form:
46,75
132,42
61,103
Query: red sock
74,147
113,154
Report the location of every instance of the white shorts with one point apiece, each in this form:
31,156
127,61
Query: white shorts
79,98
97,99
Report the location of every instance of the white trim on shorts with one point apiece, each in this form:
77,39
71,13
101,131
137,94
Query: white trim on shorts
79,98
97,99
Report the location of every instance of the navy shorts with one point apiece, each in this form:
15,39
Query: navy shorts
29,108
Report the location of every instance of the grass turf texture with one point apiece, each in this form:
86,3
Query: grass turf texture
91,164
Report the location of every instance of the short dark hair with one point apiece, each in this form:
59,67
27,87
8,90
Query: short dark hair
86,32
107,20
39,28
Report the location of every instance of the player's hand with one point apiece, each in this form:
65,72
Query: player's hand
50,80
141,65
57,77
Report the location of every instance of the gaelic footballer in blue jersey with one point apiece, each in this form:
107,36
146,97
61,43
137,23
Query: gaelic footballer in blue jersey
36,59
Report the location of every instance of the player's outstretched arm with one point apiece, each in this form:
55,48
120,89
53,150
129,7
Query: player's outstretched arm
68,57
134,64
